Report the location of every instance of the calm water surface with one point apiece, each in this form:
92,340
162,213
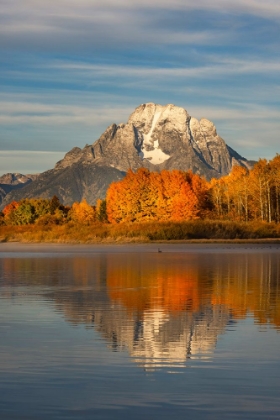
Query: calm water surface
107,332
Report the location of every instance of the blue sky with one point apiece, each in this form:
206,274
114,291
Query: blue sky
69,68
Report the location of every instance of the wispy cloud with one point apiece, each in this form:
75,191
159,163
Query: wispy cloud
14,112
26,112
243,112
72,8
70,68
94,24
27,162
219,66
241,124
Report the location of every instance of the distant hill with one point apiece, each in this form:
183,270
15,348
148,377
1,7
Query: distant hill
14,181
156,137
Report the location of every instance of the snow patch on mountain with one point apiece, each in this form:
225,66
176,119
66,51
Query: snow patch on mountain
150,148
155,155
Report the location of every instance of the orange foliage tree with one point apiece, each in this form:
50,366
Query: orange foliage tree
144,196
243,195
10,208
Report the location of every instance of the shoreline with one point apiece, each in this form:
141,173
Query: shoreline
57,249
135,240
202,231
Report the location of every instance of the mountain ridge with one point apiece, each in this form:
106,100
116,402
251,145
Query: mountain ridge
156,137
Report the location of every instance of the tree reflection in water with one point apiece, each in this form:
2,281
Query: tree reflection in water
162,308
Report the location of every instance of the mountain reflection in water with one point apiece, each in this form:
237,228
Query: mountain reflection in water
162,308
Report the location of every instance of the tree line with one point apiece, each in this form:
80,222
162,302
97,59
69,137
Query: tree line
51,212
243,195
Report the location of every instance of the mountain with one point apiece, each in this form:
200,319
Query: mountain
156,137
14,181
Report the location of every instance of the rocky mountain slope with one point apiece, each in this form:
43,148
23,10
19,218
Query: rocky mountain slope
156,137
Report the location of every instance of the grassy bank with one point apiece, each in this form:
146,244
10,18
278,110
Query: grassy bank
140,232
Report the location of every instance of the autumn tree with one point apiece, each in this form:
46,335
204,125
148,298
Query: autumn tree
24,214
145,196
238,193
217,196
130,200
184,203
201,189
10,208
82,212
260,182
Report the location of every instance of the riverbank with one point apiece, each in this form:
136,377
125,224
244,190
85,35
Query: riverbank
197,231
191,248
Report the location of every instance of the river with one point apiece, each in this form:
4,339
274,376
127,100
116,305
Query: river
114,331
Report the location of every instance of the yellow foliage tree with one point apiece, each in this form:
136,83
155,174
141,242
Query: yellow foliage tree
82,212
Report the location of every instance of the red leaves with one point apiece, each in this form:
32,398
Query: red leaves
10,208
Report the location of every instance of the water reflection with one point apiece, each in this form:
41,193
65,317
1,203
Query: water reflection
169,308
162,308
